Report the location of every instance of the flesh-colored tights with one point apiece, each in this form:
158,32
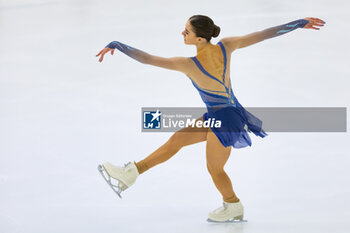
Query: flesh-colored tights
216,155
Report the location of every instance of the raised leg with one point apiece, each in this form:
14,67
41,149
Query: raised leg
181,138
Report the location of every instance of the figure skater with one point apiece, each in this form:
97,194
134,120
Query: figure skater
209,72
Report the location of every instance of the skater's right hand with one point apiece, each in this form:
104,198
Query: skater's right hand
103,52
314,22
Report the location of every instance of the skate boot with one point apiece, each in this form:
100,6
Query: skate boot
229,212
126,176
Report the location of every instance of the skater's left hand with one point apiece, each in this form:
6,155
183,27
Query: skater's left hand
103,52
314,22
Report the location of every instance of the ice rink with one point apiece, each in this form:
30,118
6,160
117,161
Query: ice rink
62,113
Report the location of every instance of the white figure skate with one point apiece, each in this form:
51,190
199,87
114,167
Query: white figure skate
229,212
126,176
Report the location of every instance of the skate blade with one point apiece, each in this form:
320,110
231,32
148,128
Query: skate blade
234,220
107,178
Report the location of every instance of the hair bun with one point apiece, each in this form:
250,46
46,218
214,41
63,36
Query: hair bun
216,31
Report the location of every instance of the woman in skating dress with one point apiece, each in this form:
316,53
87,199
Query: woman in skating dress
209,72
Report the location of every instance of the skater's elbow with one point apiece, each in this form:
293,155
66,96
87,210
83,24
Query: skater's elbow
146,59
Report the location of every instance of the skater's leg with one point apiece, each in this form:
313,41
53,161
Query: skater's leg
181,138
217,155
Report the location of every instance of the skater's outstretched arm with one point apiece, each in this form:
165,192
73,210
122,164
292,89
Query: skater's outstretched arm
237,42
174,63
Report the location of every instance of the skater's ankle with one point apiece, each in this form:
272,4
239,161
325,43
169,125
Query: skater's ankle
141,167
233,199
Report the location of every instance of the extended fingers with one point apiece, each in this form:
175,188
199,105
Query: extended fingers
318,20
101,58
102,55
314,23
99,53
103,52
315,20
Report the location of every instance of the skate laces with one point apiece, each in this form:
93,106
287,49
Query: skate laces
126,164
128,167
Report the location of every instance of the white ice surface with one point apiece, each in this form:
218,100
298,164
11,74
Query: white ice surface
62,113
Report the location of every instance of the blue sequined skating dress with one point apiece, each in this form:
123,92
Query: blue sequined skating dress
224,106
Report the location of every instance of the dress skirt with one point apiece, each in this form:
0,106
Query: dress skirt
233,121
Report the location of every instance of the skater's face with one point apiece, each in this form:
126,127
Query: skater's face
189,35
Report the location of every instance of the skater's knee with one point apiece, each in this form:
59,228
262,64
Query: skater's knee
214,169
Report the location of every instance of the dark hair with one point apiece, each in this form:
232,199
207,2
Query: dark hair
203,26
